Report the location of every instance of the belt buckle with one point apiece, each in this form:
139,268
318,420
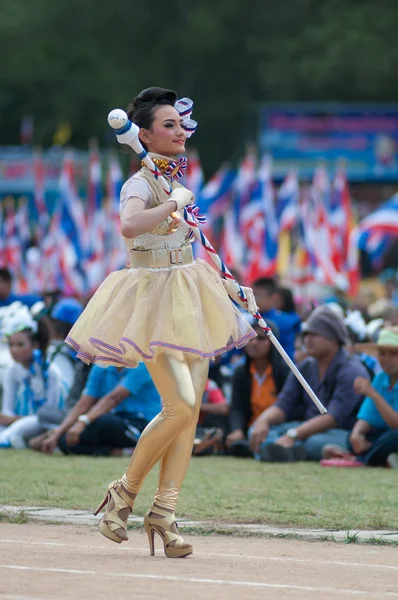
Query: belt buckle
176,257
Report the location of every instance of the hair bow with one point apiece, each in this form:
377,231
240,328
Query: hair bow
184,109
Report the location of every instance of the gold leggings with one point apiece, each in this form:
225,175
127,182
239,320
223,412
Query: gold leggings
170,435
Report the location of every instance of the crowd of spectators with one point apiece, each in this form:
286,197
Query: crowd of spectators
253,406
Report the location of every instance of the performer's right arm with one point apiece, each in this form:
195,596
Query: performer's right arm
137,219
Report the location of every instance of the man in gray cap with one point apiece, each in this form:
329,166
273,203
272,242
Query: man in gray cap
292,428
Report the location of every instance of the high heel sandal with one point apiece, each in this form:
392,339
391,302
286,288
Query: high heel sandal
160,521
113,524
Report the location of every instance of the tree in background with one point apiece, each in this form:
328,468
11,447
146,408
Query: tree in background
71,61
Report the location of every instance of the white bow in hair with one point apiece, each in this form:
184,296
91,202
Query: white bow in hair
184,109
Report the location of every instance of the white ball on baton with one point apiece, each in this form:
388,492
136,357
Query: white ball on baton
117,118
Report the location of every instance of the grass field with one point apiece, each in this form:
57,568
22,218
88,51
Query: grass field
220,489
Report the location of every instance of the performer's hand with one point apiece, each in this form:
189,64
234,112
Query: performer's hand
232,291
259,434
182,197
73,434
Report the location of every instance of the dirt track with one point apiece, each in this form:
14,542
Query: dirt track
67,562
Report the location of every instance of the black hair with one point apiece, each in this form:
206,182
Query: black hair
41,337
61,328
267,283
5,275
142,109
288,304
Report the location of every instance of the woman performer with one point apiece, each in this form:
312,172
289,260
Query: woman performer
167,310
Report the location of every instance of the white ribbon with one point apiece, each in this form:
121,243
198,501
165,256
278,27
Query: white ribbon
184,109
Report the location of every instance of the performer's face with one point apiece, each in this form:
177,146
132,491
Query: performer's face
166,135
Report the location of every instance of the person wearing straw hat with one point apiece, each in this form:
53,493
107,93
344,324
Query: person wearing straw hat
168,310
374,438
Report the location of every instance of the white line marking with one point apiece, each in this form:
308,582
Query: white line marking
241,556
18,597
253,584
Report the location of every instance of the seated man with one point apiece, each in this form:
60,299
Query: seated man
330,371
115,407
374,438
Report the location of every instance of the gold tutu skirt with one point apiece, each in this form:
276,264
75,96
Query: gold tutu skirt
137,314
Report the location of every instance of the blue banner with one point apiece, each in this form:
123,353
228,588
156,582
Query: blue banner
363,136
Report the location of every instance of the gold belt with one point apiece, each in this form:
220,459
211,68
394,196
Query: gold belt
160,259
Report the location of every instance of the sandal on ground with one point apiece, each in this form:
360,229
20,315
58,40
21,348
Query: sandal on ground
113,524
161,521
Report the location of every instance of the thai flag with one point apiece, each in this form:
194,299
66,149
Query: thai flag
114,183
12,247
352,264
115,249
213,201
245,182
383,220
341,218
97,222
193,178
232,242
377,230
2,237
39,195
271,228
376,244
73,221
287,206
94,192
215,195
22,224
51,251
73,226
260,226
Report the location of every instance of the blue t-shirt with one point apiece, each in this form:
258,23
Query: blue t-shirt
27,299
288,325
143,401
368,411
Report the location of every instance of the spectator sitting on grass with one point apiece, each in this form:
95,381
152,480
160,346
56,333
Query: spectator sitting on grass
374,438
115,407
30,383
331,372
255,385
51,417
63,316
288,323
